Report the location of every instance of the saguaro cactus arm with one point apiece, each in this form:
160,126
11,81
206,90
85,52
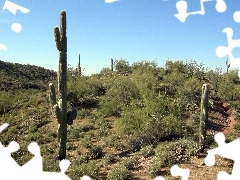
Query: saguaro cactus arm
56,111
57,38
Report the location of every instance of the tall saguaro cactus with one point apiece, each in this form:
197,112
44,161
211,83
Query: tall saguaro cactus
59,109
111,64
203,117
79,66
228,65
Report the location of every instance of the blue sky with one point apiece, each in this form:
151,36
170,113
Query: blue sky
134,30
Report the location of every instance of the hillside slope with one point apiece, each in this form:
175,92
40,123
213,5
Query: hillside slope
17,76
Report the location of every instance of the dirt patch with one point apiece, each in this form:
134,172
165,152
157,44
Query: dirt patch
220,118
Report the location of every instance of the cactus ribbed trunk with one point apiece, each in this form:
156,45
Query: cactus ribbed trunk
59,108
62,84
203,117
111,64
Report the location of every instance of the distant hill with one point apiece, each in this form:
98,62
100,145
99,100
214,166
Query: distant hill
15,76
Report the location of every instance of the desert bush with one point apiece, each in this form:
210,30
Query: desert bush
135,143
175,152
173,80
87,142
81,159
122,66
95,152
146,81
167,127
147,151
103,126
132,121
105,72
90,169
48,150
83,113
120,95
33,128
155,167
49,164
130,162
87,127
70,146
191,90
237,127
114,141
228,91
75,133
119,172
232,76
7,100
52,133
177,67
110,158
193,69
215,77
80,86
144,66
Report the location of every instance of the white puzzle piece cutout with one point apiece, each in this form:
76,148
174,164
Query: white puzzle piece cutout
182,6
226,150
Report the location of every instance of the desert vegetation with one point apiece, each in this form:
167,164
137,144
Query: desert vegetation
134,121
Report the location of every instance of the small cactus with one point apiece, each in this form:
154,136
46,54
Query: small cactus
79,66
203,117
59,108
111,64
228,65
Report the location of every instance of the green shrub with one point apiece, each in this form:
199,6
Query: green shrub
173,80
113,141
122,66
70,146
87,127
129,163
144,66
215,77
49,164
110,158
95,152
155,167
132,121
75,132
167,127
81,159
228,91
120,95
119,172
90,169
52,133
87,142
33,128
175,152
83,113
191,90
237,127
193,69
147,151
